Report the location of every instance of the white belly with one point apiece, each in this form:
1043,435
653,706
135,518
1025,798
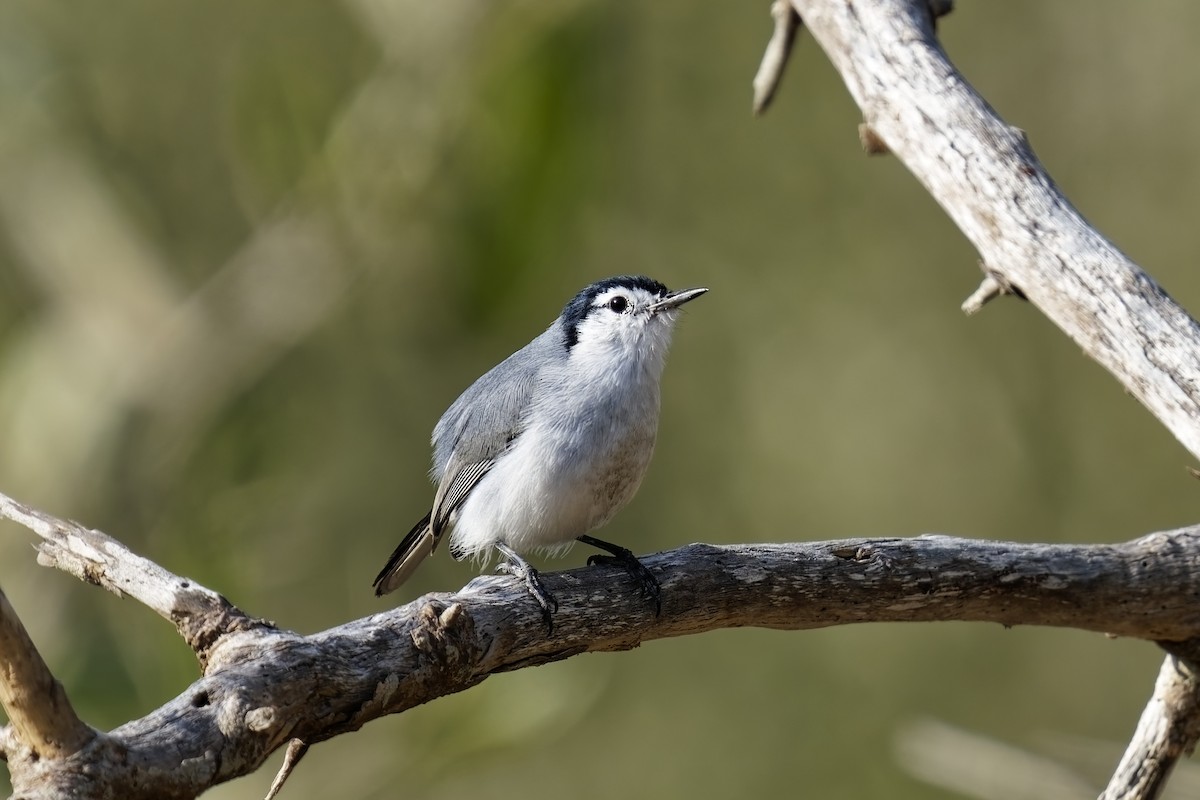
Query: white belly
544,493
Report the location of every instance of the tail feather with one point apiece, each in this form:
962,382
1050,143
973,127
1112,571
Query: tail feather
412,550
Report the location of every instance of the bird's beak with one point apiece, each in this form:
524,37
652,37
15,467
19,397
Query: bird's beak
675,300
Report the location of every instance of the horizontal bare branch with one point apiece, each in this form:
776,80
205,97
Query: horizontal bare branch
1033,242
278,686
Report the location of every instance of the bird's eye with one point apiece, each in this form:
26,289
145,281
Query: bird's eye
618,304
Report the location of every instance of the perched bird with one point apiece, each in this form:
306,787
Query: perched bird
553,441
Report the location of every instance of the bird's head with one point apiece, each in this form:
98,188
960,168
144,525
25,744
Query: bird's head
629,317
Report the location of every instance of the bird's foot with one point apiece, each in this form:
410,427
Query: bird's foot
625,558
520,568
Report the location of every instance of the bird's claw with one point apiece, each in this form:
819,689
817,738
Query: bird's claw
521,569
647,584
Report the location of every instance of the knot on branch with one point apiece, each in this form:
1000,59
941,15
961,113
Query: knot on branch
261,719
203,628
994,285
445,634
853,553
874,558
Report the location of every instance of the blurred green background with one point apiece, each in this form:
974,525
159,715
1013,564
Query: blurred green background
250,251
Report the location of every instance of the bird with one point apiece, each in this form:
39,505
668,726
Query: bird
552,442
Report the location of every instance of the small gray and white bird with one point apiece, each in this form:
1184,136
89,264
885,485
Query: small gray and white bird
553,441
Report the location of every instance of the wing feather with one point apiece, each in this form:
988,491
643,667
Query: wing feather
493,411
451,495
480,425
404,560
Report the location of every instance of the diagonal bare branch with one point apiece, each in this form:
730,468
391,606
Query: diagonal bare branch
1033,243
201,616
40,714
295,751
984,174
1168,731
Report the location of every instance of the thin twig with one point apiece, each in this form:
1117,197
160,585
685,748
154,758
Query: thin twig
295,751
775,57
992,286
988,290
1168,730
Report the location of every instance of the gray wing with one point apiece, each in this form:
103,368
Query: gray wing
473,432
484,421
451,494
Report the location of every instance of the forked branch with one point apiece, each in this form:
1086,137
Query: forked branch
1033,243
263,686
201,616
270,686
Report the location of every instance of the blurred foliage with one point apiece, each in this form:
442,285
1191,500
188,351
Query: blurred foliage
249,252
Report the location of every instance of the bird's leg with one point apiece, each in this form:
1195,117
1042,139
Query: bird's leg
520,568
625,558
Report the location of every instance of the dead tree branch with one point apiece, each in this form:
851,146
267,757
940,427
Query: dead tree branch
201,616
270,686
775,59
1166,732
986,177
38,710
1034,243
263,686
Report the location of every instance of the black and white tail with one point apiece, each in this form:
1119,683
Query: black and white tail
412,550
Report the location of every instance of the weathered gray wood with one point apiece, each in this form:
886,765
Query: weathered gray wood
775,58
200,615
986,177
265,686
